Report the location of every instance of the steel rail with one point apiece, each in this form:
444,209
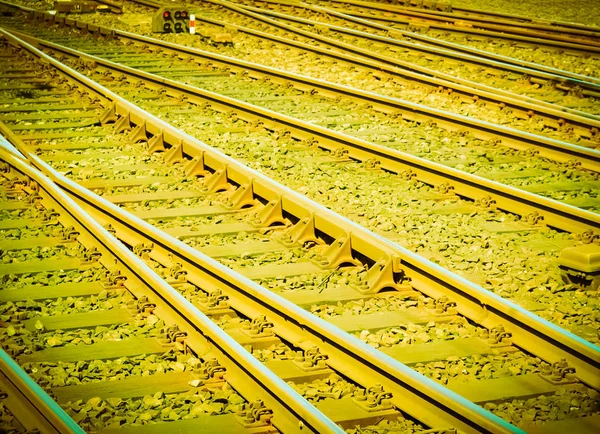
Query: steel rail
504,26
477,14
492,95
558,43
29,403
292,413
555,214
508,32
513,17
550,148
541,338
457,51
474,54
436,405
590,89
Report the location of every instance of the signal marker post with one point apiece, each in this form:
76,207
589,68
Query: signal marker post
192,24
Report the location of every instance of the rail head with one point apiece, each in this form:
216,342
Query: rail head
32,402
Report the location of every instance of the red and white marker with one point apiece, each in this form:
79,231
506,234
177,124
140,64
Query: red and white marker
192,24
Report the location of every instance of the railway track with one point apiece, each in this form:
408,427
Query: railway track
525,49
519,114
495,73
86,333
384,124
417,67
561,35
423,57
25,406
559,57
73,321
80,329
444,198
440,8
549,248
113,343
429,52
193,211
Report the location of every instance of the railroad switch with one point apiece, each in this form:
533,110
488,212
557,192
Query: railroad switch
373,399
254,414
